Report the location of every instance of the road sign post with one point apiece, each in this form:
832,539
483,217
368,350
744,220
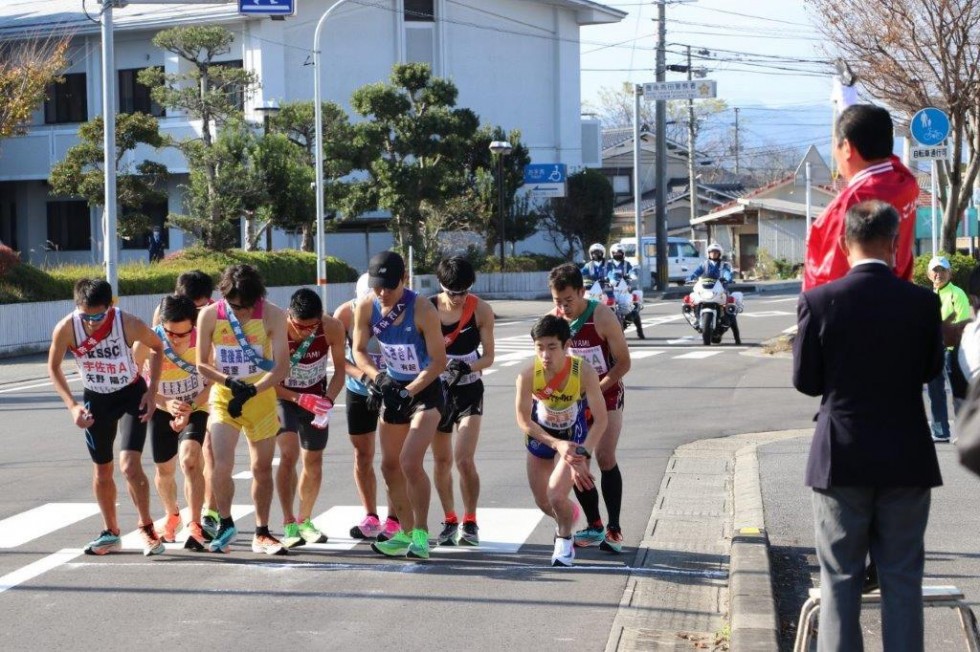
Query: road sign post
930,128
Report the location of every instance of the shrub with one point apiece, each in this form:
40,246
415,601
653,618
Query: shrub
524,263
278,268
8,259
962,265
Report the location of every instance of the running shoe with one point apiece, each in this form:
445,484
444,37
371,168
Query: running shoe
419,548
151,542
210,523
391,528
267,544
448,535
613,541
396,546
564,554
310,533
368,528
104,544
170,527
195,538
223,539
291,536
590,536
469,534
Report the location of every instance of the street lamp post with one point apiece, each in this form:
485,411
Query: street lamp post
500,149
268,109
321,252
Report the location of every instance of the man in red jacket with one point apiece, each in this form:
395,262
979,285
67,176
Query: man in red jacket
864,157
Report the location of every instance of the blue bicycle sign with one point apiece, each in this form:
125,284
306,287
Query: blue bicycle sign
545,173
267,7
930,126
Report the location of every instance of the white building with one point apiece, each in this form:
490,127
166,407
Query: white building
515,63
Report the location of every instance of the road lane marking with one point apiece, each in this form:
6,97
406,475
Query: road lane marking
639,355
247,475
34,523
39,567
71,379
696,355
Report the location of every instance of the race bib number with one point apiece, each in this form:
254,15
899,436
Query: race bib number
306,375
232,361
593,355
402,358
184,389
378,360
556,419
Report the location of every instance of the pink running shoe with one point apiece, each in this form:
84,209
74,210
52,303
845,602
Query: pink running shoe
390,529
368,528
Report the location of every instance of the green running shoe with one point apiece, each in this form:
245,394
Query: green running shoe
291,536
310,534
210,523
396,546
419,549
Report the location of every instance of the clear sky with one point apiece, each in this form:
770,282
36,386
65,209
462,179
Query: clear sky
763,54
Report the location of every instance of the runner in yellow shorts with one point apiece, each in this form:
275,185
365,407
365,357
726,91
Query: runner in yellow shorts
243,348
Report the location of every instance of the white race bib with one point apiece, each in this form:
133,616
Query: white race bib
593,355
401,358
306,374
555,419
232,361
183,389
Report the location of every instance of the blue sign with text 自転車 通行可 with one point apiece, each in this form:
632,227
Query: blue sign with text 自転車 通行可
544,173
267,7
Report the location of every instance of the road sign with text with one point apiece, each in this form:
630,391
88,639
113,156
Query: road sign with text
546,190
697,89
545,173
267,7
940,153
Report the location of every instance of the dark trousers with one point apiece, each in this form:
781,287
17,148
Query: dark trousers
891,523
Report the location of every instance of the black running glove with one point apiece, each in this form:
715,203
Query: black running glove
240,389
455,371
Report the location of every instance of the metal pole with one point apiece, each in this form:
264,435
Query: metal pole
736,140
500,186
321,251
110,245
692,181
809,207
637,188
662,273
935,210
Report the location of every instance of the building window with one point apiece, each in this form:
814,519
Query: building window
157,212
422,11
621,184
68,101
134,96
69,226
236,92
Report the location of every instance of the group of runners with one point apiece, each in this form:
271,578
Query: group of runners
207,371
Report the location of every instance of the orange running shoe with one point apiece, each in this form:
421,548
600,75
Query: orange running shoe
170,528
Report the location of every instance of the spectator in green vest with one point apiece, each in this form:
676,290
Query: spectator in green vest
955,307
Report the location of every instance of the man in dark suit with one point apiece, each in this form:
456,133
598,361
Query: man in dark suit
866,344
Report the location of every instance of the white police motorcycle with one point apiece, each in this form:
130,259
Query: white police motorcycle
622,295
711,310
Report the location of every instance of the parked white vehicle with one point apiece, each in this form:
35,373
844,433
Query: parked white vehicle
682,257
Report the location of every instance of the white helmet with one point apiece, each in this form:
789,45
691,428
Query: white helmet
617,249
714,246
597,247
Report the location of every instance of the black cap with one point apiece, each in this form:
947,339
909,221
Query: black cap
386,270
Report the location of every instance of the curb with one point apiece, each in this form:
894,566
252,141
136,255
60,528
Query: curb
753,608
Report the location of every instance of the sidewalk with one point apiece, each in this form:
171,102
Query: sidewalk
952,556
700,577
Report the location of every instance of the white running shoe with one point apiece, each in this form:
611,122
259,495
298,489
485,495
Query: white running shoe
564,554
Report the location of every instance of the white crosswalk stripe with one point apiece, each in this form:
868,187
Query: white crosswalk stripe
34,523
696,355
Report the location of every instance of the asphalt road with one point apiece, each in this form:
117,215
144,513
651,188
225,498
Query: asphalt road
343,596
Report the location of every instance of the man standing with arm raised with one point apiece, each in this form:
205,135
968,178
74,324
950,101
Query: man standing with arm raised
235,336
408,331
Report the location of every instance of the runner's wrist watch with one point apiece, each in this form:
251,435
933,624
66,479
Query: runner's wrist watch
583,451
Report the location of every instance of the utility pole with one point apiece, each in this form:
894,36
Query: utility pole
736,140
661,135
110,241
692,181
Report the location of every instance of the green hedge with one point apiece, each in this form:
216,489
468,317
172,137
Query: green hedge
962,265
25,283
523,263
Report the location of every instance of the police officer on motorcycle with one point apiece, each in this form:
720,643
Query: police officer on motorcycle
714,267
597,268
619,263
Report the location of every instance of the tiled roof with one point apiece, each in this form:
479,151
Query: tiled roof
23,17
